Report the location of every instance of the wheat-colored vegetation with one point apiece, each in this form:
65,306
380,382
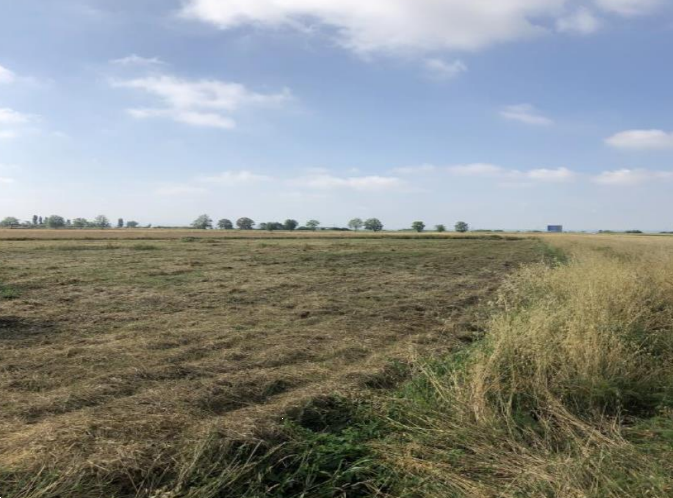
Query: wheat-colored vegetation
570,393
135,368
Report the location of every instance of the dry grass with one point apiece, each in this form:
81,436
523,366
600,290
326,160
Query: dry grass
117,356
570,393
181,233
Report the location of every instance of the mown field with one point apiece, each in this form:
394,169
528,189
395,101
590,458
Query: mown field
193,364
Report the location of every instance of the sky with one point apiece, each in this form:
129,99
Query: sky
512,114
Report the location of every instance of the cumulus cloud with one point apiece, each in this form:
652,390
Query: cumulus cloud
641,139
233,178
582,22
409,170
486,170
137,60
6,76
13,122
629,8
327,182
12,117
179,190
389,26
205,103
629,177
525,113
442,70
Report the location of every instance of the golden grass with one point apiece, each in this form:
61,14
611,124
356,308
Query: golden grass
576,359
118,356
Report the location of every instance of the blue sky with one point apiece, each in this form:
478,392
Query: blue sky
508,114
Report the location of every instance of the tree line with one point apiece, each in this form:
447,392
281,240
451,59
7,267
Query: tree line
205,222
56,221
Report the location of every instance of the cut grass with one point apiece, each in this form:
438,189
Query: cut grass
133,359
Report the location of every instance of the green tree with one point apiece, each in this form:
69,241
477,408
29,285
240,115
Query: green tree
313,224
120,223
419,226
290,224
9,221
101,221
80,223
440,228
245,223
55,221
203,222
34,219
462,227
373,224
356,224
132,224
225,224
39,220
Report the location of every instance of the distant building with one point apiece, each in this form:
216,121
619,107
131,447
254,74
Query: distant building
555,228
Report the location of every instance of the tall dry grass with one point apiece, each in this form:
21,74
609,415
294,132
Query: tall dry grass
576,363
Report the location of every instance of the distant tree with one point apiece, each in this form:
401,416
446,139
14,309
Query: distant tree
290,224
356,224
132,224
80,223
55,221
39,220
225,224
274,225
419,226
462,227
34,219
120,223
9,221
101,221
245,223
313,224
203,222
373,224
440,228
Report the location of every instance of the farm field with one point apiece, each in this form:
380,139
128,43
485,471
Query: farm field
117,354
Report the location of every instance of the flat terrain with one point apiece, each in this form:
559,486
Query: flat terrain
112,350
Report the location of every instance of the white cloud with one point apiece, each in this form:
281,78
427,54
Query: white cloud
442,70
630,8
551,175
525,113
513,176
198,102
6,76
13,122
8,134
582,22
327,182
477,169
179,190
409,170
629,177
389,26
641,139
12,117
137,60
5,180
233,178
